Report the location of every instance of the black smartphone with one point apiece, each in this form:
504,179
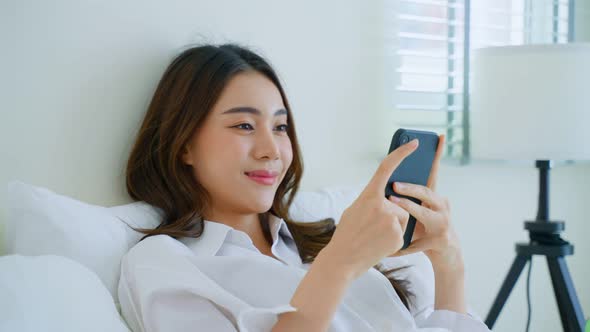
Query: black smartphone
414,169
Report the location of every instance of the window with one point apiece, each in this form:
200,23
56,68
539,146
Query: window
432,45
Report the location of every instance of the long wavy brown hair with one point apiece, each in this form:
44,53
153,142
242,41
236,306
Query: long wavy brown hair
155,173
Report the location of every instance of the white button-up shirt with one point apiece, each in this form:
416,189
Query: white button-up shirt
222,282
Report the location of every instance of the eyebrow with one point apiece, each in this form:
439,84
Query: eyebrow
251,110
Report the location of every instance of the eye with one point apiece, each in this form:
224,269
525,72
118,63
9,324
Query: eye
245,126
284,127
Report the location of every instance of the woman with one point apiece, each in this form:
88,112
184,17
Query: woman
218,154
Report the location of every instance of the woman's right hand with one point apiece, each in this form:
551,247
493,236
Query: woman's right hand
372,227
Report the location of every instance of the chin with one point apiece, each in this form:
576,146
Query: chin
260,199
261,203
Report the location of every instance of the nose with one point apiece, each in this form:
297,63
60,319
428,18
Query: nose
266,146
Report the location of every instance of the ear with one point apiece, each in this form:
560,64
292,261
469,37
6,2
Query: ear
186,156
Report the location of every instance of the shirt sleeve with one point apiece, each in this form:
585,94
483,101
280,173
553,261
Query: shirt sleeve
177,311
174,296
453,321
261,319
421,278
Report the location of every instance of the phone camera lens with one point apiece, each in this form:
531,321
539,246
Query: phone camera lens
405,139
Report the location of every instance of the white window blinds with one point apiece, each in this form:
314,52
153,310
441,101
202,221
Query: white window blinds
433,44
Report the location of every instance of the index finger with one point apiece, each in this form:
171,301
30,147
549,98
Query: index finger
379,180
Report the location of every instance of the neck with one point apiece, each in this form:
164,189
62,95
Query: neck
250,224
242,222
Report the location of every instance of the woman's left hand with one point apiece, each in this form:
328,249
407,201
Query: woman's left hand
433,234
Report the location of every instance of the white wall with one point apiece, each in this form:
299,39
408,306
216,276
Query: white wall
76,79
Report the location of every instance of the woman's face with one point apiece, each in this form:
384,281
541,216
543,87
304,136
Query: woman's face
245,132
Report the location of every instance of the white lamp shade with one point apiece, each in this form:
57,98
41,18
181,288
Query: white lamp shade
531,102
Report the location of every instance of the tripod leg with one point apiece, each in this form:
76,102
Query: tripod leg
515,270
570,310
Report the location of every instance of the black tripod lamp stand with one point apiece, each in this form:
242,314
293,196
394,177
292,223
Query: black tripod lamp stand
531,102
545,240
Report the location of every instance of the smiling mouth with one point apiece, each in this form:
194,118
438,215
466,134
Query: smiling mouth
264,180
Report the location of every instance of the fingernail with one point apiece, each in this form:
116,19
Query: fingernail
394,198
414,142
400,185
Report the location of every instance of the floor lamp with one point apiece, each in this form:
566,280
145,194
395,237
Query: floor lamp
532,102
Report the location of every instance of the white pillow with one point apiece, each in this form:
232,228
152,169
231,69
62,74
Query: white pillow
41,222
329,202
53,293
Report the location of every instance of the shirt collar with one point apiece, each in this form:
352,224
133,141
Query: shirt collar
215,234
278,227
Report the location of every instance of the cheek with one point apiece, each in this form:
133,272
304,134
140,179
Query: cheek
223,153
216,157
286,154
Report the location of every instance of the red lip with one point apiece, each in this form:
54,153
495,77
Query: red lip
262,173
263,177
